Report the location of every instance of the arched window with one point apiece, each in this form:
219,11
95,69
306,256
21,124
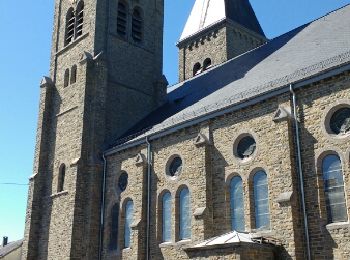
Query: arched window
334,189
113,242
80,19
261,201
237,204
196,69
166,218
206,63
73,74
185,215
61,177
70,25
66,78
137,24
129,218
122,18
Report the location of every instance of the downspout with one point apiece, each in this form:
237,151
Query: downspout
149,164
300,170
102,216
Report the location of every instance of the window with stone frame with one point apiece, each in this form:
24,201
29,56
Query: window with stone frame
185,215
197,69
79,19
334,189
122,18
129,218
261,201
70,26
166,217
73,74
66,78
61,178
137,25
237,204
207,64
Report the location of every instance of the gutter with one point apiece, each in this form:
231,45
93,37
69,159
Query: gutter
245,103
300,171
103,205
149,164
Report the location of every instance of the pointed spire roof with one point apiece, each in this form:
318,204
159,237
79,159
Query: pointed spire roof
209,12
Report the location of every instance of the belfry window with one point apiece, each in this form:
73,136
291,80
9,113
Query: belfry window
166,217
206,63
261,201
70,26
237,204
73,74
122,19
197,69
129,218
61,178
185,215
137,24
80,19
334,189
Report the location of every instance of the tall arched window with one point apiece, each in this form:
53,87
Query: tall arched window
196,69
261,201
206,63
237,204
166,218
122,18
113,242
73,74
137,24
80,19
70,26
129,218
61,177
66,78
334,189
185,215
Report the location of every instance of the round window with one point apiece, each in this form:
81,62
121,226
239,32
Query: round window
175,166
246,147
339,122
123,181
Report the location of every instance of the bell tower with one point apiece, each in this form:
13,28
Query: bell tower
105,75
216,31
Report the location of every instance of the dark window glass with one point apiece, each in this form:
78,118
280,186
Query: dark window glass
206,63
113,243
122,19
73,77
334,189
196,69
70,26
137,24
123,181
61,177
340,121
80,18
175,166
66,78
246,147
237,204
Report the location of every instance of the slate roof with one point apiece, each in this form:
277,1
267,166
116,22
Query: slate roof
10,247
307,51
206,13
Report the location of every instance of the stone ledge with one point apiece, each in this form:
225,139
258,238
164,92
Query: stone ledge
59,194
66,111
339,225
71,45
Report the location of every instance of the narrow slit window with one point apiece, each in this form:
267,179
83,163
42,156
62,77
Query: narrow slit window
129,218
237,204
70,26
80,19
61,178
185,215
73,77
166,217
137,24
66,78
122,19
334,189
261,201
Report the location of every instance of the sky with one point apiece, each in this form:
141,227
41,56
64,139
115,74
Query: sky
25,29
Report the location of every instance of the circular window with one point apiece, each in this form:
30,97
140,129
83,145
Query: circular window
175,166
246,147
123,181
339,122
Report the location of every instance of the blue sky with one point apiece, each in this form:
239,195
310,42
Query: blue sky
25,28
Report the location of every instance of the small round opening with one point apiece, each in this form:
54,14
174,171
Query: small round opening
175,166
339,122
123,181
245,147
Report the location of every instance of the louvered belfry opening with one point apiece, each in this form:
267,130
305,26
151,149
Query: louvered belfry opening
122,19
137,25
80,19
70,26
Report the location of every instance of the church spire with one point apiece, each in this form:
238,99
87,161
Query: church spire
206,13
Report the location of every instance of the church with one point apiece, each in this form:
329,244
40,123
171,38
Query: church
246,157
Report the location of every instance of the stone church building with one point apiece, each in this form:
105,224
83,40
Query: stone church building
247,157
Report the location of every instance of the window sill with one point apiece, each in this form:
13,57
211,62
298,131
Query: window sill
72,44
337,225
262,233
166,244
59,194
126,250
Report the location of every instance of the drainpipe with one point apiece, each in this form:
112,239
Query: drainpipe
102,216
149,164
300,170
